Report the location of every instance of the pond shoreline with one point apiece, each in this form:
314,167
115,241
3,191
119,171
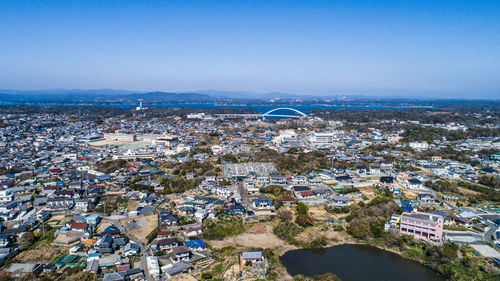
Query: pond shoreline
284,250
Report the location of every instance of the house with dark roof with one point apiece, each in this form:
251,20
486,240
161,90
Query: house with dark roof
167,243
362,170
387,179
414,184
302,192
5,240
18,231
344,179
236,209
179,268
106,241
118,242
262,203
488,171
168,219
181,253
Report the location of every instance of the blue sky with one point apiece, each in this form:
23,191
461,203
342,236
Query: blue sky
419,48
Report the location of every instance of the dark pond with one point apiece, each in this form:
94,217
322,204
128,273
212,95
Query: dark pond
357,263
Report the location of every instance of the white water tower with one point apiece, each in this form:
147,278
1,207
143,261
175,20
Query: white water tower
140,105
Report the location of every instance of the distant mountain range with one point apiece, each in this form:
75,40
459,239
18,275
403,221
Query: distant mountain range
99,96
108,96
172,97
254,95
115,96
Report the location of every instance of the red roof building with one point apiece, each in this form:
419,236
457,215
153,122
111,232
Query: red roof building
79,225
307,193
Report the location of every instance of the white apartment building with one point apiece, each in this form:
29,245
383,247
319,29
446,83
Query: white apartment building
419,145
6,196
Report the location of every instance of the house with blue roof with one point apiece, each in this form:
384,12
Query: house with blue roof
93,256
196,245
111,230
93,219
405,205
407,208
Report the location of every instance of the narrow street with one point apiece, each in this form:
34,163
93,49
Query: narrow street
488,235
144,249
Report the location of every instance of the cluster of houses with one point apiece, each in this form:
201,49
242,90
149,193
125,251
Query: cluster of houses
54,180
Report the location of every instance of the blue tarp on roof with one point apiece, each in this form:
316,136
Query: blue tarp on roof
110,228
407,208
197,243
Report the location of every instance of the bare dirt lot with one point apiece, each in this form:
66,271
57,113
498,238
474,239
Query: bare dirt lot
257,236
56,220
132,205
184,277
318,213
410,194
140,227
368,191
106,142
315,232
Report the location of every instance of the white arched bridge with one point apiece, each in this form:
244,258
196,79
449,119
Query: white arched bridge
270,113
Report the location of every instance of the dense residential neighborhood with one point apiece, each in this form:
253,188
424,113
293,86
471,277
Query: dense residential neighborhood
203,196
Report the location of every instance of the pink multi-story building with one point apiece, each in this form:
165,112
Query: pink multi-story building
422,225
